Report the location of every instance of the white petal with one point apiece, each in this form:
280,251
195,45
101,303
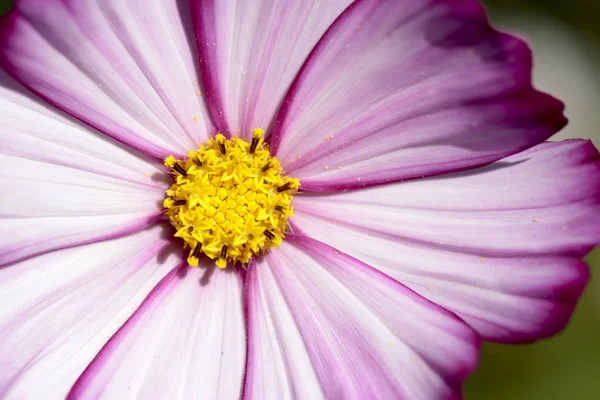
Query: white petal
186,341
126,68
325,325
64,183
500,245
400,89
60,308
251,50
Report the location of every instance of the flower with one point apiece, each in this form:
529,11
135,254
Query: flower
430,212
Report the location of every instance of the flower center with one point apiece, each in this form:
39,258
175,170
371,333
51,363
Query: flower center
230,199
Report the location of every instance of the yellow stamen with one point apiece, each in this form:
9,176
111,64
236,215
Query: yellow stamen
230,199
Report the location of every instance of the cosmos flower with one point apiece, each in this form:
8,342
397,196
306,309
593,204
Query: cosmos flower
277,199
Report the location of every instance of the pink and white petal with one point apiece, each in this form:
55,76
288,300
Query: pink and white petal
314,314
125,68
517,299
60,308
542,201
250,52
186,341
500,245
65,184
34,130
400,89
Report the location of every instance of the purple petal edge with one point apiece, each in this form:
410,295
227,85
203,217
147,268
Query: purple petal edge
550,124
315,248
204,35
124,231
6,27
96,364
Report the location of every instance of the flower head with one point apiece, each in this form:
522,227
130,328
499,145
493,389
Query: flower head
371,177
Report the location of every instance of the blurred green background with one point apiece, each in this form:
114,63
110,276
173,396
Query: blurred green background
565,36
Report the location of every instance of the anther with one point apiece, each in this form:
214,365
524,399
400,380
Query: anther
222,147
223,252
197,249
254,144
197,161
269,234
179,169
266,167
179,202
279,208
284,187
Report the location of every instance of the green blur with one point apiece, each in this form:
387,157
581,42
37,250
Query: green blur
5,5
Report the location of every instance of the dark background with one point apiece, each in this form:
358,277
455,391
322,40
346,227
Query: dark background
565,36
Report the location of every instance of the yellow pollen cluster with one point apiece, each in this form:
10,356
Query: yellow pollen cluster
230,200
